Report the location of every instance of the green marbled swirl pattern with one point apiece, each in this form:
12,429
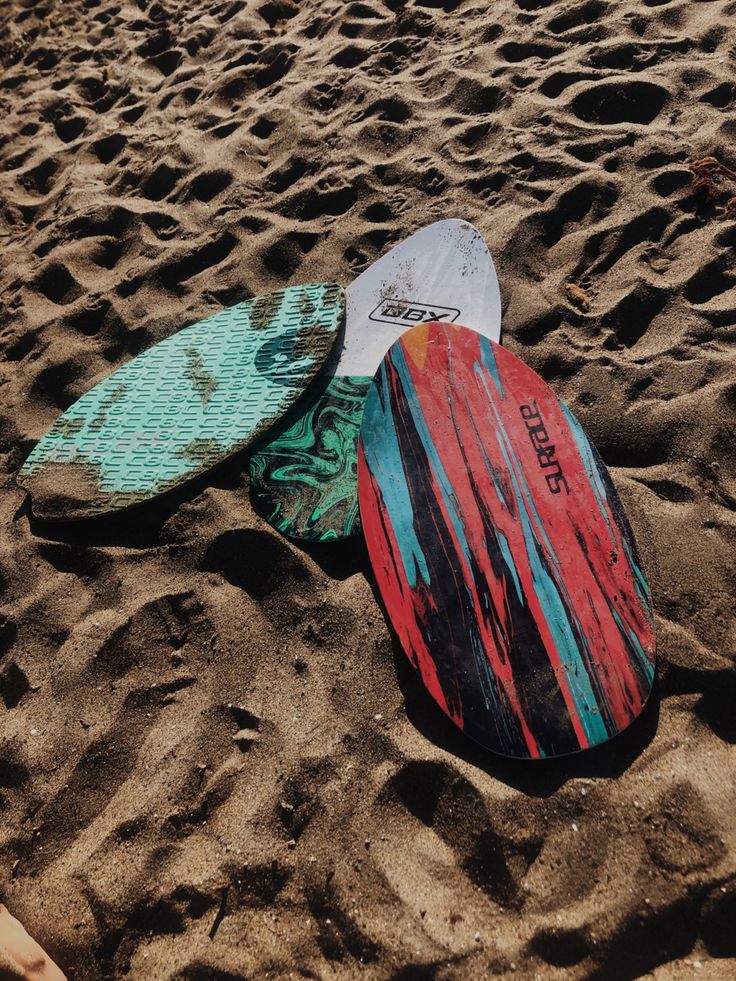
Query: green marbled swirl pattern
303,475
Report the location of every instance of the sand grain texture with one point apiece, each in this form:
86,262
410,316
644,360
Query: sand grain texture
214,763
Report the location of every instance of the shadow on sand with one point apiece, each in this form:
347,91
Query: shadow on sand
141,527
536,778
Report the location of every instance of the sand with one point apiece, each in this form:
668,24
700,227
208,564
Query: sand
215,763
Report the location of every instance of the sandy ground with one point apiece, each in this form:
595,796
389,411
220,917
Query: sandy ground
214,762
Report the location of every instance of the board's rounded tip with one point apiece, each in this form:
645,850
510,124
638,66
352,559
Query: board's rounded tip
60,491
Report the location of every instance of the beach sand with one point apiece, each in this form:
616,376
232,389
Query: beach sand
215,762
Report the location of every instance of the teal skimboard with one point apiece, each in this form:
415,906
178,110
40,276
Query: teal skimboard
185,405
304,472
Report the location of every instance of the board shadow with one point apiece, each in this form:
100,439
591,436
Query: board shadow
140,525
340,559
536,778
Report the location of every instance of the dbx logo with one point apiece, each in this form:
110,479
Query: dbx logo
407,313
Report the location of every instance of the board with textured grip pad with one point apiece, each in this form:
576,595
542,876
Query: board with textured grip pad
500,547
303,475
184,405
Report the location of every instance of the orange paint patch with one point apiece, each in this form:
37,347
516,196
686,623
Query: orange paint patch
415,344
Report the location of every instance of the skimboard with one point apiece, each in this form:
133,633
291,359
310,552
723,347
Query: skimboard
304,473
500,548
184,405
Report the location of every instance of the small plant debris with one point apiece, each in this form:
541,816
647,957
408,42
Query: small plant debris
577,296
708,176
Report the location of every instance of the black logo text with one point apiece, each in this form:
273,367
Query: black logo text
543,448
407,313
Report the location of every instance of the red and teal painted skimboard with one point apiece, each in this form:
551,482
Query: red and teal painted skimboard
304,471
501,550
184,405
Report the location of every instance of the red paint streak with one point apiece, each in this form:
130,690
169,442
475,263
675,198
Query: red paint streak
437,385
397,596
448,371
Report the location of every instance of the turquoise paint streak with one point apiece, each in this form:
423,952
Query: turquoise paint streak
489,363
640,584
448,495
554,609
646,664
382,454
503,543
589,462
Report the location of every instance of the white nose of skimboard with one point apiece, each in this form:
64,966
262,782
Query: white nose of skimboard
443,272
303,476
